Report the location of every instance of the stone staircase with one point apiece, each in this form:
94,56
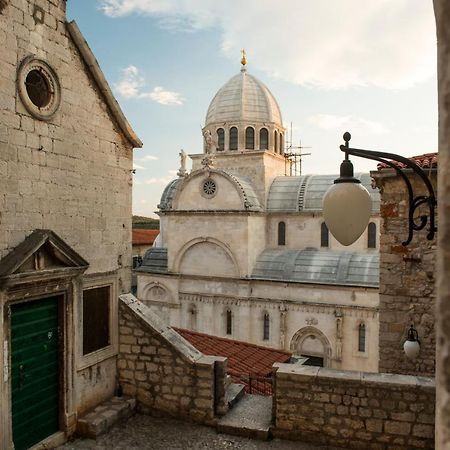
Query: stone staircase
250,416
104,416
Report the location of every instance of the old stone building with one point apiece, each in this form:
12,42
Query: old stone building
244,251
65,224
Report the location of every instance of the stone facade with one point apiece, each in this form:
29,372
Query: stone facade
407,279
65,189
353,409
165,373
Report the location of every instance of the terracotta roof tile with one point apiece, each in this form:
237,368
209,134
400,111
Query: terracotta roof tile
243,358
425,161
142,236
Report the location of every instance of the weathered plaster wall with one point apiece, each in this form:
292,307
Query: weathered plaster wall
407,281
163,371
442,13
353,409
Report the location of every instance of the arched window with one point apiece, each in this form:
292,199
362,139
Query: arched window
275,141
371,235
324,237
266,327
229,324
362,338
263,139
250,138
281,144
220,139
281,233
233,138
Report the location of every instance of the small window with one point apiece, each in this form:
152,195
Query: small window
233,138
250,138
263,139
281,144
220,139
275,142
362,338
192,317
324,236
266,329
281,233
229,322
96,304
372,235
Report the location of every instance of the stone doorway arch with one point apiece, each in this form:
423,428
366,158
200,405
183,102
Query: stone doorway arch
310,341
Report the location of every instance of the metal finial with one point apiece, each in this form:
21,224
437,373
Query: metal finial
243,59
347,136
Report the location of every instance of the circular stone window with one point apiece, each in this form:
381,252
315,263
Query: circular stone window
209,188
39,88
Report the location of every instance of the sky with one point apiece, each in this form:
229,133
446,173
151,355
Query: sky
333,66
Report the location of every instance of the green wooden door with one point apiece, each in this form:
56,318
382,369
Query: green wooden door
34,371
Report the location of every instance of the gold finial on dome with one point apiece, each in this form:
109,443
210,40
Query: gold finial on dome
243,59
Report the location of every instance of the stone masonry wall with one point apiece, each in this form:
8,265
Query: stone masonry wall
353,409
71,173
165,373
407,280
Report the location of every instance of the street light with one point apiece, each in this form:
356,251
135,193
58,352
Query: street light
347,204
412,343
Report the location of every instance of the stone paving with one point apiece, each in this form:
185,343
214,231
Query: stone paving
145,432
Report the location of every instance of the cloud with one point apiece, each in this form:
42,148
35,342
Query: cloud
149,158
347,123
161,180
323,43
137,166
132,83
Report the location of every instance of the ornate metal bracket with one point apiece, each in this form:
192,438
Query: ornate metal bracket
414,223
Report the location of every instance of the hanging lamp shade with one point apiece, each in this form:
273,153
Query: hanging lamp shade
347,206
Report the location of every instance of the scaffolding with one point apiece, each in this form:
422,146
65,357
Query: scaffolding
293,157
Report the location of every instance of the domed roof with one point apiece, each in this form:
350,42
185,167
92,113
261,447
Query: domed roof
244,98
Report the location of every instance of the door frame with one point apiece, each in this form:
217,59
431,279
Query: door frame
28,289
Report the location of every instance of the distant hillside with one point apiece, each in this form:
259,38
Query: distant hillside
146,223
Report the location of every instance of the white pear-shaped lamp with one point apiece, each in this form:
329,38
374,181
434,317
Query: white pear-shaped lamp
347,205
412,344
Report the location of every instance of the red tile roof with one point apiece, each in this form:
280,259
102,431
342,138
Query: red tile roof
141,236
425,161
243,358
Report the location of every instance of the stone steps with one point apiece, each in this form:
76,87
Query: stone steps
234,393
250,418
100,419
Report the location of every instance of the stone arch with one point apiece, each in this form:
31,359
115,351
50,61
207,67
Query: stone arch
307,334
206,255
156,292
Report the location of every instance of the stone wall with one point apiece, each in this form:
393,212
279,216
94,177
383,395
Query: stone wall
165,373
407,279
353,409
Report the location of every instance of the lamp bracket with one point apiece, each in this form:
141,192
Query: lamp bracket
415,201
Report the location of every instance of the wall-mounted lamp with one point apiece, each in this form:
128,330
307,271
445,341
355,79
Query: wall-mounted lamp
412,343
347,204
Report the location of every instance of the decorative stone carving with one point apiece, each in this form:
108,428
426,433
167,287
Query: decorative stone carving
182,172
311,321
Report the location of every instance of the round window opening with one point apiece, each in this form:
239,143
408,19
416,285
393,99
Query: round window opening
38,87
209,187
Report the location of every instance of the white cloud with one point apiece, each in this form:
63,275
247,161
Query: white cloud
132,83
149,158
347,123
330,44
137,166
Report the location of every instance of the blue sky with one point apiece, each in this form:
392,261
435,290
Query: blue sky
332,66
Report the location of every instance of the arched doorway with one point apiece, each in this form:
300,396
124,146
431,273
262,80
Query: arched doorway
311,343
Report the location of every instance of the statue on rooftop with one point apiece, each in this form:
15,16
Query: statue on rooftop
182,172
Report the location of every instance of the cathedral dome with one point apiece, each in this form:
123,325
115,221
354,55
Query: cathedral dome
244,99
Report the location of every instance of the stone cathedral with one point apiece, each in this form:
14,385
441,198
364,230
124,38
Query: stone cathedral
243,250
